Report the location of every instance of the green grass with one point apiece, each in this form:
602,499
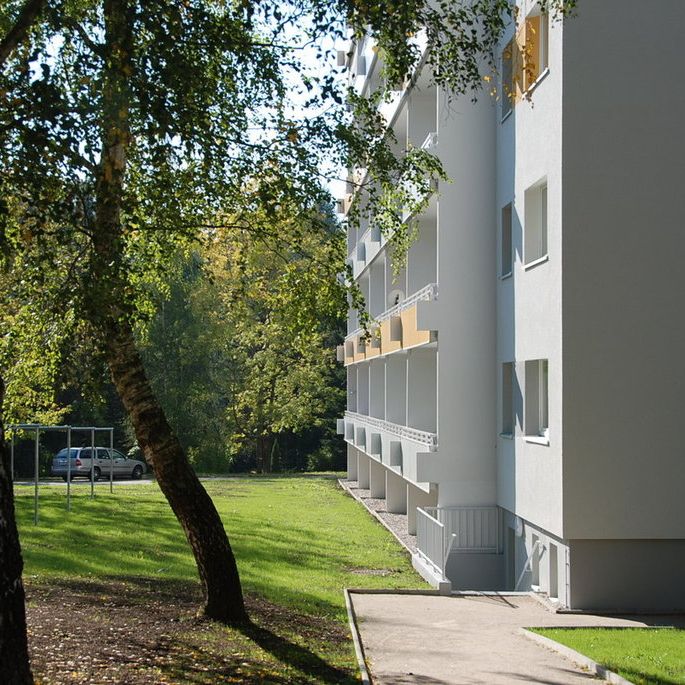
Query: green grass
298,542
642,655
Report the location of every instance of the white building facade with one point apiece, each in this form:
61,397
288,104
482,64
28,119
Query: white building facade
519,399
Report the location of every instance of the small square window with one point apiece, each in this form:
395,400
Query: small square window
535,228
537,398
507,398
507,252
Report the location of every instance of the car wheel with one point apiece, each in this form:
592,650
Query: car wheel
96,473
137,473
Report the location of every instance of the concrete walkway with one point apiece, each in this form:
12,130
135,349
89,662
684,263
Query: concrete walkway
433,640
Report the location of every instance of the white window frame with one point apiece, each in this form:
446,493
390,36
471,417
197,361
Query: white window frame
507,269
537,419
507,97
541,220
543,398
508,402
543,46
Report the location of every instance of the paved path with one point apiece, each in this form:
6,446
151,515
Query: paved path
433,640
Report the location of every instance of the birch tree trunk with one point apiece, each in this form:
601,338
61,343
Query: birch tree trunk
14,652
187,497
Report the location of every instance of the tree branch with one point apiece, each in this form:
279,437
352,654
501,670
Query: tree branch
27,17
96,48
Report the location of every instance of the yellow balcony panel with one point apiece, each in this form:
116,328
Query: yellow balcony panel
411,336
359,348
373,344
391,335
349,352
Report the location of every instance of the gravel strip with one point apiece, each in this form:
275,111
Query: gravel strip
396,522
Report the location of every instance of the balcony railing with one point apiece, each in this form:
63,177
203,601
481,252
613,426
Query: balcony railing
427,293
430,540
430,141
477,529
442,530
406,432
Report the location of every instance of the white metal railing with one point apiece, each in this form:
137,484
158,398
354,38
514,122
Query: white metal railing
427,293
431,141
413,434
433,541
441,530
528,566
477,529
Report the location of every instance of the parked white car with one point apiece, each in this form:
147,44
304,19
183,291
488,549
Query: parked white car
106,460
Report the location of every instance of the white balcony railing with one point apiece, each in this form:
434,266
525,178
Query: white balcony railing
442,530
431,141
477,529
426,438
427,293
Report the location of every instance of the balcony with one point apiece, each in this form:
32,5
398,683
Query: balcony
365,250
395,329
399,448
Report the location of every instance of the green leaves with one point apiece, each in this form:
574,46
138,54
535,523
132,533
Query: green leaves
243,339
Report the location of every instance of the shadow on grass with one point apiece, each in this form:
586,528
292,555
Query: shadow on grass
298,657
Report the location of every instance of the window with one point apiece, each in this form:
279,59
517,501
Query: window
508,398
535,228
536,47
507,255
537,398
524,59
507,78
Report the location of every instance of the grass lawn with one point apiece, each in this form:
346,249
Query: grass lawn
298,542
642,655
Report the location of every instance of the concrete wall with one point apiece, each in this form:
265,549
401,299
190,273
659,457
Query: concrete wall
546,571
466,305
469,571
628,574
623,250
529,148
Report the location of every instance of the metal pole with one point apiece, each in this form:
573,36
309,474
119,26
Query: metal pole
92,463
69,469
111,460
12,458
36,464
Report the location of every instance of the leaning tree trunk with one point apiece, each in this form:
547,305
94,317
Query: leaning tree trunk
186,495
14,651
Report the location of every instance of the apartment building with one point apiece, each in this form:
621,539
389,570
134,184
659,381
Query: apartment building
520,397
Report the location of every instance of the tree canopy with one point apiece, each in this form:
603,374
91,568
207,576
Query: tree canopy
241,349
